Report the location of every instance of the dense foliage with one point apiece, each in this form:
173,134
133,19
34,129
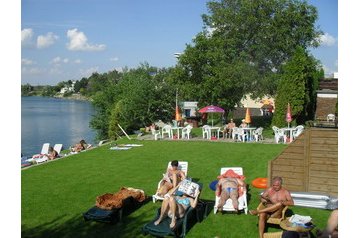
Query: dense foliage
298,85
246,47
242,49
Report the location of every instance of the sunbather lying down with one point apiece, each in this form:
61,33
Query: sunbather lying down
82,145
174,206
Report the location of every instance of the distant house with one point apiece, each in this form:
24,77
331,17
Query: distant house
68,89
327,98
189,109
264,106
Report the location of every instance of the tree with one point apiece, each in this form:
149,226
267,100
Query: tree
298,84
242,48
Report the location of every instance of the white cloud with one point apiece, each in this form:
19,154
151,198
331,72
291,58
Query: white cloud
31,71
44,41
78,61
26,37
57,61
114,59
78,42
25,61
88,72
327,40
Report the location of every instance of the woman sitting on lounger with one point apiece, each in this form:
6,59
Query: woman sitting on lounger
171,179
175,206
52,154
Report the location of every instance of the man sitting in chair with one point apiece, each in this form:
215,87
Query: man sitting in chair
228,187
274,199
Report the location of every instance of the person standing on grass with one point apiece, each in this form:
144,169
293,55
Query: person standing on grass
274,199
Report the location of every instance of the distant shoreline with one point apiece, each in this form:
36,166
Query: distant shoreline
74,96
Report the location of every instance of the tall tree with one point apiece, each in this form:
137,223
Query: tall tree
298,84
242,48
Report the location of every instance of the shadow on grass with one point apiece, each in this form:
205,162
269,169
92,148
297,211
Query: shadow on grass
76,226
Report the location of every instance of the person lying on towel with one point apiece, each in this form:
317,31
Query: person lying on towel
230,185
174,206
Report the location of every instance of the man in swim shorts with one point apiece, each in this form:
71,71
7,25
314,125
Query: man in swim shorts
226,188
274,199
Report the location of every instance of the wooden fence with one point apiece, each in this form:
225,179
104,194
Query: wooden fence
310,163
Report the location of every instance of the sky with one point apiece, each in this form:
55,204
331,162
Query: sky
65,40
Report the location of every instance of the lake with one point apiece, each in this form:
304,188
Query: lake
54,121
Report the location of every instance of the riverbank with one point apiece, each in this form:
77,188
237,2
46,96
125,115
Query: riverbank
74,96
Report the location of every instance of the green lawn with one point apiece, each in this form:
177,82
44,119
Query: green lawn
54,195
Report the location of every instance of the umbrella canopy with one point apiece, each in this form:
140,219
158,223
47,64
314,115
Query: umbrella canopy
288,115
211,108
177,114
248,116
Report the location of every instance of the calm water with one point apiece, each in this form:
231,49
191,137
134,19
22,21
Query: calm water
54,121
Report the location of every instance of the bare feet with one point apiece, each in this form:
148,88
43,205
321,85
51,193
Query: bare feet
172,224
157,221
253,212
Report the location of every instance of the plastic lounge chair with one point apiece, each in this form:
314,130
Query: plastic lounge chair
58,148
44,151
275,221
279,134
114,215
191,216
183,166
242,200
298,131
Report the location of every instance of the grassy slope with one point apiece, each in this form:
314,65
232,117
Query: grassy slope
55,195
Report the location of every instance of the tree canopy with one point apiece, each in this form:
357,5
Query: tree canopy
242,47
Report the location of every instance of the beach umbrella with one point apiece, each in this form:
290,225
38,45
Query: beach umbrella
248,116
288,115
212,109
177,114
177,111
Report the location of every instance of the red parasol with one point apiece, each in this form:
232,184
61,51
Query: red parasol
288,114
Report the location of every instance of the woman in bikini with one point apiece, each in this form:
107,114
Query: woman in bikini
171,179
228,188
175,207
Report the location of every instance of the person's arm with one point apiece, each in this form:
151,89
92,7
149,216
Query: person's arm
265,197
218,188
194,202
241,184
288,200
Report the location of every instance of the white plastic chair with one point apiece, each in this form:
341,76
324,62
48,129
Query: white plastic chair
58,148
167,129
156,134
242,200
258,134
279,134
331,117
239,133
185,134
298,131
183,166
206,132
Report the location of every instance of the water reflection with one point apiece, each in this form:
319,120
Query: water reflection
54,121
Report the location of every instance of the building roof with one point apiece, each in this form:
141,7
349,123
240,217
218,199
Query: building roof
331,84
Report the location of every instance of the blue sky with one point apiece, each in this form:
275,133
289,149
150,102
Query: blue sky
69,39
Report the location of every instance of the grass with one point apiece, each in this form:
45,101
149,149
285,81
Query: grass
54,195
